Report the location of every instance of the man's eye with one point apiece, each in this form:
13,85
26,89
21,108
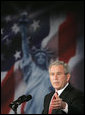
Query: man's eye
58,73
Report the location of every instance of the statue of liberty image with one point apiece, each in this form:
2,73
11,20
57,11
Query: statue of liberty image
35,73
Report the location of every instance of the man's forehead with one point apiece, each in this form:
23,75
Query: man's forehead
56,67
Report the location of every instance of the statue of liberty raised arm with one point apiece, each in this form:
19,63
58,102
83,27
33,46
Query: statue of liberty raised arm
35,73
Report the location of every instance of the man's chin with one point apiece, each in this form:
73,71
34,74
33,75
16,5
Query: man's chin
57,87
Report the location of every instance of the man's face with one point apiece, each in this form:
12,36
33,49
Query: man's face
57,76
40,58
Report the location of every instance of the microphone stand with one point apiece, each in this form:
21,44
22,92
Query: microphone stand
14,107
15,112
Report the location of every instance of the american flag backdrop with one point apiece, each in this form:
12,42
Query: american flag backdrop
57,26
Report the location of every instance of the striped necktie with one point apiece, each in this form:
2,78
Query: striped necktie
50,107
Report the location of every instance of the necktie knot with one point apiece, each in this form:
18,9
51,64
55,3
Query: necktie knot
55,95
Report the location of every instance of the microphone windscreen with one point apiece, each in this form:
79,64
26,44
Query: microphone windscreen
23,97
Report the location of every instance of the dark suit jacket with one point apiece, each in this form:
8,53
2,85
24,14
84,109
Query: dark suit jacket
73,97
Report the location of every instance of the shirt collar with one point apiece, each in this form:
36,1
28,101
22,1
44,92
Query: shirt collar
61,90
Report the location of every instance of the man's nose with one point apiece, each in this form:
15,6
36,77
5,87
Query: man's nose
56,77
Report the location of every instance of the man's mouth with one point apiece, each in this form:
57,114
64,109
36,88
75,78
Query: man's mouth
56,82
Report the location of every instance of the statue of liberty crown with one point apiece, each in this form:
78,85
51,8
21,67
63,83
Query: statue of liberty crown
46,51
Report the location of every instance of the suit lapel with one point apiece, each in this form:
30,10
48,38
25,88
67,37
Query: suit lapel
66,91
49,99
50,96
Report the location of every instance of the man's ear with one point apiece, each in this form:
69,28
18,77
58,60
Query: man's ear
68,77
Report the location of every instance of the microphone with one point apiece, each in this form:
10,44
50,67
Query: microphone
20,100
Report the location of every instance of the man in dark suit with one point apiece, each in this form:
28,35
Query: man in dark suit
65,99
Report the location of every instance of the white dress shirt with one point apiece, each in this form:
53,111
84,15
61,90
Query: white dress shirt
59,92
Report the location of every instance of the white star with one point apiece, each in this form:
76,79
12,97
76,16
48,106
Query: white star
35,25
1,31
17,55
15,28
8,18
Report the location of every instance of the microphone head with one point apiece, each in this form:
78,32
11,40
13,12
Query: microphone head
23,97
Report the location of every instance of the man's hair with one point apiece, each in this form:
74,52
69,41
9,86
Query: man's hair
57,62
